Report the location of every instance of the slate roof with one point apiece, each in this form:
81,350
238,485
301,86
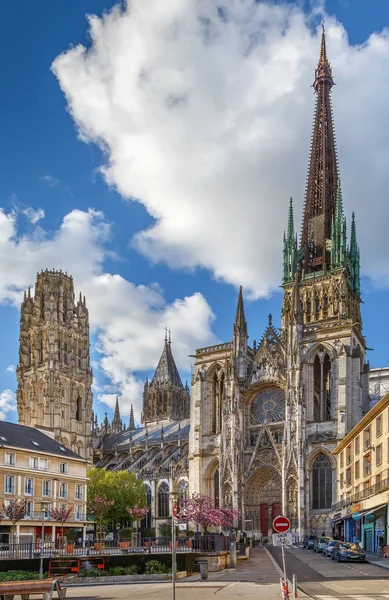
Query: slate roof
166,371
172,431
30,438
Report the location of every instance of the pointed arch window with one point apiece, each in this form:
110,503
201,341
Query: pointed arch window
217,401
183,492
322,409
146,522
79,409
163,500
40,343
216,488
321,483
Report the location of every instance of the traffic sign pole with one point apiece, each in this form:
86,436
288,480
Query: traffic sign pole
281,524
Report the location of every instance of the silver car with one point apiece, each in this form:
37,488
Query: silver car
328,548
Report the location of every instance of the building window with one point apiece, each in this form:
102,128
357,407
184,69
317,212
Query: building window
65,353
321,483
28,486
322,388
348,454
43,464
10,459
79,409
378,425
59,350
341,481
63,467
356,445
46,488
78,512
78,491
348,476
341,460
183,492
29,509
378,479
163,500
378,454
366,438
216,488
366,465
357,464
34,462
9,484
63,490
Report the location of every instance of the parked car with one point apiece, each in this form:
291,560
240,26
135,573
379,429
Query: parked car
320,542
328,547
309,541
347,551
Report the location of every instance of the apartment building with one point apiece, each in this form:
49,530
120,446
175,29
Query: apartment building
38,469
360,514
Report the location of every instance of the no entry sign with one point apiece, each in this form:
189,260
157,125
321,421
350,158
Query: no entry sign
281,524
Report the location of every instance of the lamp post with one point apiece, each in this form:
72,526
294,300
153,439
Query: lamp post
43,505
173,496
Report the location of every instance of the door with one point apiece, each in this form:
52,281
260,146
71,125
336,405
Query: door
264,519
276,510
369,540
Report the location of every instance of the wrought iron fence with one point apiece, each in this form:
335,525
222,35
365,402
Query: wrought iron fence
149,545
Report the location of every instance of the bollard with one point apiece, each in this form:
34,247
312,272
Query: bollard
295,586
232,555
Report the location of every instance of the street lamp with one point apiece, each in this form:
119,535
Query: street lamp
174,496
43,513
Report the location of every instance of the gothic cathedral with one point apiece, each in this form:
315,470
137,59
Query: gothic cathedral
54,374
264,420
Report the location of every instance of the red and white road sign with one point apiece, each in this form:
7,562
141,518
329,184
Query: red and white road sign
281,524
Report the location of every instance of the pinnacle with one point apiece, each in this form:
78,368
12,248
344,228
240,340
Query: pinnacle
240,319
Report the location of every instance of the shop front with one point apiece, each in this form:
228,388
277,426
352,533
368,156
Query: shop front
374,529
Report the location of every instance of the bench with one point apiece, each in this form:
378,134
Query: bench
25,589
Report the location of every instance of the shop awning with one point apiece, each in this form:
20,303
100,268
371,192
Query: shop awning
373,510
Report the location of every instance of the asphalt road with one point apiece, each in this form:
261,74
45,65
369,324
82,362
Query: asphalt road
324,579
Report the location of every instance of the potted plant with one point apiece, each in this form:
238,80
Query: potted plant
124,538
70,540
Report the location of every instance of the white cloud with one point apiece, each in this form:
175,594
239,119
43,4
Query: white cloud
7,403
50,180
33,215
11,369
205,110
129,320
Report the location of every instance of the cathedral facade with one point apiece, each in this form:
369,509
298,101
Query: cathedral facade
258,431
264,420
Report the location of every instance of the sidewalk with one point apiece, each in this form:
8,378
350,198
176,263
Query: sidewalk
378,561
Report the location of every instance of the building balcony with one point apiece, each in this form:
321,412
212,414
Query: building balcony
362,494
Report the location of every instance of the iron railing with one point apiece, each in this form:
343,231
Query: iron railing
149,545
362,494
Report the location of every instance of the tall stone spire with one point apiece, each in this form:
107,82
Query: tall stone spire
240,339
117,422
131,423
290,248
321,190
165,397
354,259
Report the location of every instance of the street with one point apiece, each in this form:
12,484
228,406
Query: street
324,579
318,578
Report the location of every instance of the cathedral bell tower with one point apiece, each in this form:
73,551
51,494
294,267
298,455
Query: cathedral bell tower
54,374
327,378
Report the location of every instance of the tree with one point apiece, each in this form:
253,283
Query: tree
124,488
15,511
61,515
100,508
137,513
201,510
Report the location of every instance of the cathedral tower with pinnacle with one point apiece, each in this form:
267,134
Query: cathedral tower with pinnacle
265,418
54,374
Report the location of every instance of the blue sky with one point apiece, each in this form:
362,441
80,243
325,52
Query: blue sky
208,228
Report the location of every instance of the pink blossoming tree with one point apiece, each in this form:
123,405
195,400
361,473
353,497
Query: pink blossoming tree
201,510
61,515
137,513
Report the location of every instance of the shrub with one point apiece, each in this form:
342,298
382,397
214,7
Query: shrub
154,566
131,570
19,575
91,572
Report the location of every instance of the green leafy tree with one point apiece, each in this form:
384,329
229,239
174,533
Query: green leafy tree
125,489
